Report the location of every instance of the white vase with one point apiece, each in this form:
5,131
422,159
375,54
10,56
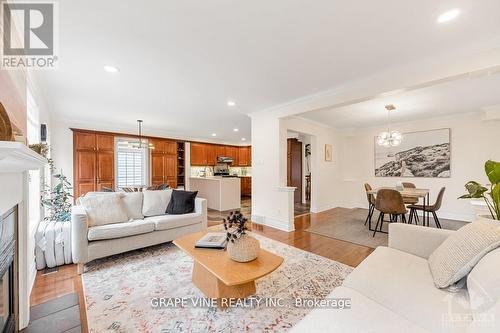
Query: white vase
244,249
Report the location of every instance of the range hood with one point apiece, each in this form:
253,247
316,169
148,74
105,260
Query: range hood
224,159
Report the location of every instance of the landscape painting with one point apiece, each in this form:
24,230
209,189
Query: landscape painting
421,154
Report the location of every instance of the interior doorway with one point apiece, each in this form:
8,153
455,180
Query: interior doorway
298,171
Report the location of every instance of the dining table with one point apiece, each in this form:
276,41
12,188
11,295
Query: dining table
410,193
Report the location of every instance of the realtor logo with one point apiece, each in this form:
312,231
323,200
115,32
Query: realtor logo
29,35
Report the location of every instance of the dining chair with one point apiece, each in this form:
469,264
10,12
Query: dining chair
371,203
389,202
428,209
409,200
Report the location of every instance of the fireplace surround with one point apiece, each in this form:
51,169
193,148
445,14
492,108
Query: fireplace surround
8,271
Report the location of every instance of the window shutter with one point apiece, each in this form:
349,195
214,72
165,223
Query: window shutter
131,165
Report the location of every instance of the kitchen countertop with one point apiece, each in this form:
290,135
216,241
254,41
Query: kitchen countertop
218,178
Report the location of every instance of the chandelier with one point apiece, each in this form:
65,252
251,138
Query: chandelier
141,143
389,138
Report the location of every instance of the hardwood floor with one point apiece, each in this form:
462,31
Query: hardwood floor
50,287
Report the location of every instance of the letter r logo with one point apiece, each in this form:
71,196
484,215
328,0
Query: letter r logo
34,23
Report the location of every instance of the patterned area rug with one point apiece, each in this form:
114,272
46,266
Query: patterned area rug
118,292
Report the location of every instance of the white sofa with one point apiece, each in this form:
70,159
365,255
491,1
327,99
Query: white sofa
93,242
392,290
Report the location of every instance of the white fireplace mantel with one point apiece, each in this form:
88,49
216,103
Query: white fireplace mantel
17,157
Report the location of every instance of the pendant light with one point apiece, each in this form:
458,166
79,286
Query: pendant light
143,143
389,138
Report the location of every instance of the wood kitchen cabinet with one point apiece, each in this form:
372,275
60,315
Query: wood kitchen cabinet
232,151
206,154
164,163
246,186
198,154
220,150
211,154
94,162
244,156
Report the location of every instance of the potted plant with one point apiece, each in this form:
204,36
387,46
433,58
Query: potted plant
53,236
241,247
492,198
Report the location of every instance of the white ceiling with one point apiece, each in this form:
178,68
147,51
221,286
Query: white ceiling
181,60
454,97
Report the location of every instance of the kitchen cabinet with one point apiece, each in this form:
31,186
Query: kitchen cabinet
211,154
94,162
244,156
206,154
164,163
232,151
246,186
198,154
220,150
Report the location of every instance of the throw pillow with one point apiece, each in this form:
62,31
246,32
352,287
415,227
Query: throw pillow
182,202
483,282
461,251
155,202
133,205
104,209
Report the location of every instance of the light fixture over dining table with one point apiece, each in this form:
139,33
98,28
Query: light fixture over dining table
389,138
141,143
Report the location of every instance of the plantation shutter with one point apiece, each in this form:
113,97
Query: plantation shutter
131,165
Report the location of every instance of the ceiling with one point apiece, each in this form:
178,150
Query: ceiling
459,96
181,61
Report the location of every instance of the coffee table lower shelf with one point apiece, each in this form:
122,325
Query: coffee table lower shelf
212,287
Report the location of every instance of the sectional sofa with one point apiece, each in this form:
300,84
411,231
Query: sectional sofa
392,291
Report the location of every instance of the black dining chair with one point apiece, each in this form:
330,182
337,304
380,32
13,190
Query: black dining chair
428,209
389,202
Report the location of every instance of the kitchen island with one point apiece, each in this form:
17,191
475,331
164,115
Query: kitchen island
222,193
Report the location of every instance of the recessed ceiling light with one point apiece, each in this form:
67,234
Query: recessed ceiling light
214,134
231,103
448,16
243,139
235,129
111,69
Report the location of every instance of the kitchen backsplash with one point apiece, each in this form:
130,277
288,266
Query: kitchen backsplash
240,171
201,171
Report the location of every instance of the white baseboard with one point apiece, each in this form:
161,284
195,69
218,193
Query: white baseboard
32,276
319,209
441,214
273,222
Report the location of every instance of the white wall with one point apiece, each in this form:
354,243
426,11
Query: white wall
324,175
62,148
272,201
473,141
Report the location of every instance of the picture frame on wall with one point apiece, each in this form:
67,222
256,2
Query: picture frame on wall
424,154
328,153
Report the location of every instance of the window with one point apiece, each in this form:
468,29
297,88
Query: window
131,163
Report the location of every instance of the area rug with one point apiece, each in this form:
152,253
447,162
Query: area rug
349,225
118,292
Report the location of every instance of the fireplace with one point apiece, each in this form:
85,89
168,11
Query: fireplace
8,262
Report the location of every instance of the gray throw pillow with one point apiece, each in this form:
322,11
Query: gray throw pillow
461,251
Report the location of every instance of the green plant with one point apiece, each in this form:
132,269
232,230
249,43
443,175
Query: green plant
492,198
43,149
58,199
